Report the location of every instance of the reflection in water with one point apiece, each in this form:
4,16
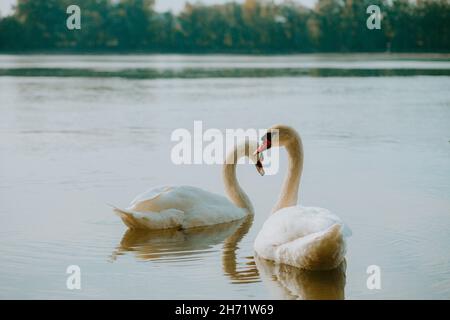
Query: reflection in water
287,282
284,281
247,274
174,245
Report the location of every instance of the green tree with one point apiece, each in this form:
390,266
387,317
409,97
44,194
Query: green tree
251,26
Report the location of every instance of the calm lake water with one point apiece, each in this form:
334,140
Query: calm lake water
377,152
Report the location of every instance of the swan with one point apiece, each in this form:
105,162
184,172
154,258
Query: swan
185,207
309,238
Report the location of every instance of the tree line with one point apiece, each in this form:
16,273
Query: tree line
254,26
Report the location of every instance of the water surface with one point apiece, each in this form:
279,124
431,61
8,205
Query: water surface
377,152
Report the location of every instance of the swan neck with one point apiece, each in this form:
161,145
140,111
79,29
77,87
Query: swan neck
234,191
289,192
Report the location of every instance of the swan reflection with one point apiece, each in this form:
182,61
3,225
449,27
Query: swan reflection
249,272
289,283
174,245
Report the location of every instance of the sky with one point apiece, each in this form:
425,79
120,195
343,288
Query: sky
161,5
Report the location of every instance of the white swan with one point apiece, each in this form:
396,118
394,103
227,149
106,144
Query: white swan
187,207
305,237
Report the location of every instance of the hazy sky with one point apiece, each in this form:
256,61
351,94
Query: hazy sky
161,5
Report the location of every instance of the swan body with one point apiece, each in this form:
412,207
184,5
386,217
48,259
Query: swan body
185,207
305,237
179,207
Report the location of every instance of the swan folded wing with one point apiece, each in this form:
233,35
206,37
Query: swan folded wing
323,250
166,219
211,213
158,199
146,200
201,207
295,222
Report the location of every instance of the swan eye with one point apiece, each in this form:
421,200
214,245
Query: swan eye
267,137
266,143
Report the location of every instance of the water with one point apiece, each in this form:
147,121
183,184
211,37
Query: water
377,152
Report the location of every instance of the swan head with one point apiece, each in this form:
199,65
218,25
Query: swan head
277,136
246,149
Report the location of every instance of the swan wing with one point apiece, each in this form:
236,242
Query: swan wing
166,219
324,250
201,207
294,222
143,202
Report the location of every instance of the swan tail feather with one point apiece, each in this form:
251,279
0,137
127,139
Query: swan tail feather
323,250
128,219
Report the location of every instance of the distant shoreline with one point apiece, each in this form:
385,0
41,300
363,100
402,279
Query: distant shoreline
219,73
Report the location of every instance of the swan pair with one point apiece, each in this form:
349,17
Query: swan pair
304,237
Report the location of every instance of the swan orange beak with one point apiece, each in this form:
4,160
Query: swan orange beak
262,147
